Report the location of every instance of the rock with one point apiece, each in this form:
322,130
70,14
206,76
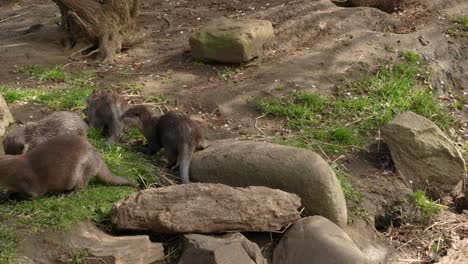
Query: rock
424,156
5,116
317,240
103,248
231,41
231,248
295,170
206,208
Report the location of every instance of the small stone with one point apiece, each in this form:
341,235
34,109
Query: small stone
231,248
231,41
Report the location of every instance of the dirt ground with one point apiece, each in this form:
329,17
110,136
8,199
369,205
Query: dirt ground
317,44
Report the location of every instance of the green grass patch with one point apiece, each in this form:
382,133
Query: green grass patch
340,122
426,206
7,244
56,99
460,27
57,73
228,73
56,211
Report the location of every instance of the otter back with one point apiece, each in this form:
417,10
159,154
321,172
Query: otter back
25,138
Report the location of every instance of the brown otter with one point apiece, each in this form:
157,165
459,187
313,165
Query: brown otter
25,138
103,111
63,163
174,131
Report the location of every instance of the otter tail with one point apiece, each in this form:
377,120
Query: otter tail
185,156
105,175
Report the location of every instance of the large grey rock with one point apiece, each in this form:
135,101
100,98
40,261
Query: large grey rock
295,170
5,116
232,248
103,248
424,156
206,208
316,240
231,41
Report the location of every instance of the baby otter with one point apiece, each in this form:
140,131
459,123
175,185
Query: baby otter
103,111
174,131
63,163
25,138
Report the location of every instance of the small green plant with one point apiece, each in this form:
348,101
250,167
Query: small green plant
57,73
229,73
348,190
426,206
460,27
390,49
7,244
340,122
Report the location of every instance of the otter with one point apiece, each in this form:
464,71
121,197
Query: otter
103,111
174,131
63,163
25,138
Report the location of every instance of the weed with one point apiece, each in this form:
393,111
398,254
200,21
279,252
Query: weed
426,206
57,73
460,27
337,123
229,73
349,192
390,49
8,244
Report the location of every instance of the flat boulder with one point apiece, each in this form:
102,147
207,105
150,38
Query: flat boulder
424,156
5,116
231,40
295,170
316,240
231,248
103,248
206,208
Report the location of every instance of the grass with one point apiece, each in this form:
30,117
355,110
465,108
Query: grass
57,73
8,244
342,122
229,73
426,206
56,99
460,27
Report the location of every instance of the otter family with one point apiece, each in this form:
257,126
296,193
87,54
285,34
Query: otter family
54,155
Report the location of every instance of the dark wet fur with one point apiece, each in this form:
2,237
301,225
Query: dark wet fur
174,131
23,139
103,111
63,163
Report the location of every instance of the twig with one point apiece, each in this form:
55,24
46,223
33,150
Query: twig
347,68
168,22
14,45
256,122
8,18
167,179
80,50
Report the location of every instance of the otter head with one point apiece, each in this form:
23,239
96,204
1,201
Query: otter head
14,143
136,116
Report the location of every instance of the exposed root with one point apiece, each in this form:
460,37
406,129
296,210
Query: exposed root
72,56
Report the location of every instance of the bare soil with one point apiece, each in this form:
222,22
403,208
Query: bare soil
317,45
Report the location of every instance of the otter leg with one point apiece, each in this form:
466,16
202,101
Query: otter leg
171,156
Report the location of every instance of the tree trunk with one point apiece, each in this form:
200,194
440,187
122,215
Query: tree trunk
108,26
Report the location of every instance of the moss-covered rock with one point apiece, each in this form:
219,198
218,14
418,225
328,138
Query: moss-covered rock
231,41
